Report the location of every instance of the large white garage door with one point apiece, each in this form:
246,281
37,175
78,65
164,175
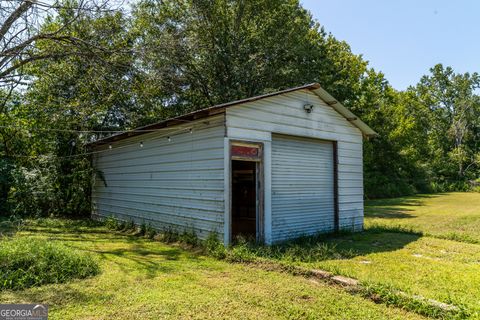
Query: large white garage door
302,187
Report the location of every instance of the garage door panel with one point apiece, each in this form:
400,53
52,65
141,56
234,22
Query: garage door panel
302,187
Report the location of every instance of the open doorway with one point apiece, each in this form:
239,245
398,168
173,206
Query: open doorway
244,199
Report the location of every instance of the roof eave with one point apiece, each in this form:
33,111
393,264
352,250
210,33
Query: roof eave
195,115
347,114
217,109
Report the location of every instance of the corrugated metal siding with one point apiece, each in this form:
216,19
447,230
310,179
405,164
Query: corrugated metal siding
177,184
302,187
284,114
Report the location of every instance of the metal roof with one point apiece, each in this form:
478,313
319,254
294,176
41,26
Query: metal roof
220,108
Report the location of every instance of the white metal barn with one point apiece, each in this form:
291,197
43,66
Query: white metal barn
273,167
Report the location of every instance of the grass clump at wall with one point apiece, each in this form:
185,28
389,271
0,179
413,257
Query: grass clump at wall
303,249
30,262
167,235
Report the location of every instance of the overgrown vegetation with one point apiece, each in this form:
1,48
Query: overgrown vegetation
404,265
163,58
396,265
153,279
30,262
304,249
299,256
432,309
168,235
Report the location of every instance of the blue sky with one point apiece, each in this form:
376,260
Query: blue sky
405,38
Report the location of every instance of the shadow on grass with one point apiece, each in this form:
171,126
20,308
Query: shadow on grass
66,230
146,257
129,252
94,237
133,254
396,208
375,240
389,213
166,254
55,297
149,265
9,226
344,245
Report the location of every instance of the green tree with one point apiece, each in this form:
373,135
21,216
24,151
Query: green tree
170,57
66,98
454,121
201,53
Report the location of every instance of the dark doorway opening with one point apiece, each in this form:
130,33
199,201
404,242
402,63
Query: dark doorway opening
244,199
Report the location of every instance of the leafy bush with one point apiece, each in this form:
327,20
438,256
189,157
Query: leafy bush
242,251
6,168
189,237
129,226
143,229
121,225
29,262
449,186
33,191
150,232
112,223
170,235
214,247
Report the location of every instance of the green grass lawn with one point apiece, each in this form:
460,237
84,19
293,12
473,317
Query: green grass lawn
143,279
431,265
453,215
445,270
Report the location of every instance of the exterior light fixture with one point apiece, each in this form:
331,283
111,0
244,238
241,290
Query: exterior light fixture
141,144
308,107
